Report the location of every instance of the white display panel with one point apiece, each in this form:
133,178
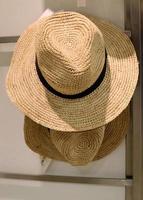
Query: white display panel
15,156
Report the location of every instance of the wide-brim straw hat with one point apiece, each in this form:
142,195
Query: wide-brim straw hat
72,72
76,148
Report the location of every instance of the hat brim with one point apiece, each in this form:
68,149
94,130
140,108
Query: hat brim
39,140
92,111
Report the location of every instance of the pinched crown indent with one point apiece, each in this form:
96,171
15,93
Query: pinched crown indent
70,51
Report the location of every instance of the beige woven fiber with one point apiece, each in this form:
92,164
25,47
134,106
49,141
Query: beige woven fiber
70,49
38,139
78,148
64,146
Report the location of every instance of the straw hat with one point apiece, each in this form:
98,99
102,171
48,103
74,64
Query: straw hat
71,72
77,148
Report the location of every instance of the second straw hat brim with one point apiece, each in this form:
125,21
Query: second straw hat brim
38,138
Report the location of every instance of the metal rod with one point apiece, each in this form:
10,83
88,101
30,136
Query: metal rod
129,144
129,163
135,24
9,39
13,39
69,179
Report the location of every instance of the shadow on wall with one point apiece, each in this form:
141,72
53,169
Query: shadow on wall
6,51
112,11
5,58
62,5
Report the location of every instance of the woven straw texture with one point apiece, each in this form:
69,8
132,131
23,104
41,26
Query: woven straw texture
71,52
76,148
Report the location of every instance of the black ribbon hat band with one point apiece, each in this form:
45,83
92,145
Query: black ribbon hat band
74,96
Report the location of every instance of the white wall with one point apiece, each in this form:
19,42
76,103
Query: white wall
15,15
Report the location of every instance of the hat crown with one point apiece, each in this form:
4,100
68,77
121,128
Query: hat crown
70,51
